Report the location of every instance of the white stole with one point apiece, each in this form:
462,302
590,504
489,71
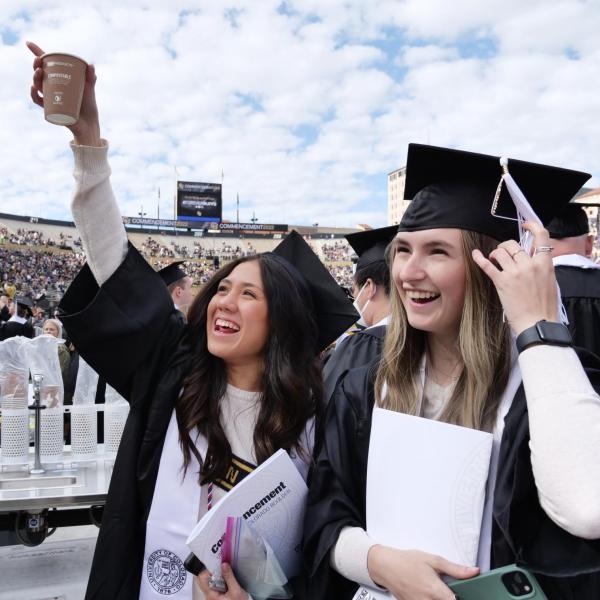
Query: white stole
485,537
574,260
173,514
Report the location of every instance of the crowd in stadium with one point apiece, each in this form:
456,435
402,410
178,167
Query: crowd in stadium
337,251
40,272
37,268
32,237
35,272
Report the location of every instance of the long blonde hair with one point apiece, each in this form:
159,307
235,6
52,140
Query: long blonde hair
484,345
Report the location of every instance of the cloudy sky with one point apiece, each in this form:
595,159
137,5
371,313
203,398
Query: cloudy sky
303,106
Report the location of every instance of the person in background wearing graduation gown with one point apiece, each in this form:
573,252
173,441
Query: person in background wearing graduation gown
577,275
19,322
470,309
5,303
179,284
209,400
371,292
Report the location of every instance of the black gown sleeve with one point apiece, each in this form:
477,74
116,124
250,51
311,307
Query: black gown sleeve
337,490
568,567
359,349
116,327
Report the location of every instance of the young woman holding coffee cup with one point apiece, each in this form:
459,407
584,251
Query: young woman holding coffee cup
239,381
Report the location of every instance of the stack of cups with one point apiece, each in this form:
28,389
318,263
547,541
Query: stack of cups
14,377
115,416
84,418
43,357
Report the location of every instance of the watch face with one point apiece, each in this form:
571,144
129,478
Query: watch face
556,333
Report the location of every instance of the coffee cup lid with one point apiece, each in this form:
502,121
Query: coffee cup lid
47,54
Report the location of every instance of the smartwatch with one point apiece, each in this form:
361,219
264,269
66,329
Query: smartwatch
544,332
193,564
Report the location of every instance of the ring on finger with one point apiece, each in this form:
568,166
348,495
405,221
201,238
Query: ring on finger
517,252
541,249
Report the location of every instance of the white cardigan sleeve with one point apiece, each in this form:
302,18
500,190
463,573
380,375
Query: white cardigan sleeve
350,553
564,422
96,213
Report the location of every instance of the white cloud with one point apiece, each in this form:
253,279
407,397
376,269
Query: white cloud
230,86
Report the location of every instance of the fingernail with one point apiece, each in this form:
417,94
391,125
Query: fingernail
225,568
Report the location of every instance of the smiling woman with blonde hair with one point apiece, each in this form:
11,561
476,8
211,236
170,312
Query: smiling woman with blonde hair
473,340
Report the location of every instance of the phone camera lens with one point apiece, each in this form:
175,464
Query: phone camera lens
517,583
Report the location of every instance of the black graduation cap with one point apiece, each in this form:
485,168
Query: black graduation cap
173,272
25,301
42,302
370,245
571,221
456,189
334,310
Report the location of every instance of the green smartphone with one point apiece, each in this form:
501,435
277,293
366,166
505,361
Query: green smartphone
505,583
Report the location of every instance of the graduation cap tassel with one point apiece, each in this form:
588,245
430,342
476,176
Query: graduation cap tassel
524,210
525,213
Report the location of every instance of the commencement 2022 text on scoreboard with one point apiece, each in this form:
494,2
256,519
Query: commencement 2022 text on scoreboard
198,201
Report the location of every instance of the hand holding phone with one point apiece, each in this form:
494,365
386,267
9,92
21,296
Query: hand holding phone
506,583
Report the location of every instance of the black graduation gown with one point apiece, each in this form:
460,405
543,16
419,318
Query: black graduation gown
580,291
12,329
568,567
4,313
129,332
359,349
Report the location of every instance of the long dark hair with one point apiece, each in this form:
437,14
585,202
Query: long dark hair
292,388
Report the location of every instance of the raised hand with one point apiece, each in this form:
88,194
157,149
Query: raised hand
86,131
414,575
526,284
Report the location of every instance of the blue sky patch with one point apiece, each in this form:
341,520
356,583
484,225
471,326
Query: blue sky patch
572,54
9,37
308,133
476,45
249,100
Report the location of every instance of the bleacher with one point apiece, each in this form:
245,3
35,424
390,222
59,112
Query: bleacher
23,240
25,235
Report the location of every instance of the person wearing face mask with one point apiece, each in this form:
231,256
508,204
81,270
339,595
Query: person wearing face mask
473,340
210,399
371,290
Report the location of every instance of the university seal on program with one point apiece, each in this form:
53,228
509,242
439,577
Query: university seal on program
166,572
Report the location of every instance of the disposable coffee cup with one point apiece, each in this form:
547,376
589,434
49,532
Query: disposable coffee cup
62,86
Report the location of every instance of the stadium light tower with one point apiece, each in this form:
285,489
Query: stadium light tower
142,213
254,218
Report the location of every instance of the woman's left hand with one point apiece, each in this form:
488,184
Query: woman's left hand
526,284
234,591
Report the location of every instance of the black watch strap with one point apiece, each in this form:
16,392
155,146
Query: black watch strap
544,332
